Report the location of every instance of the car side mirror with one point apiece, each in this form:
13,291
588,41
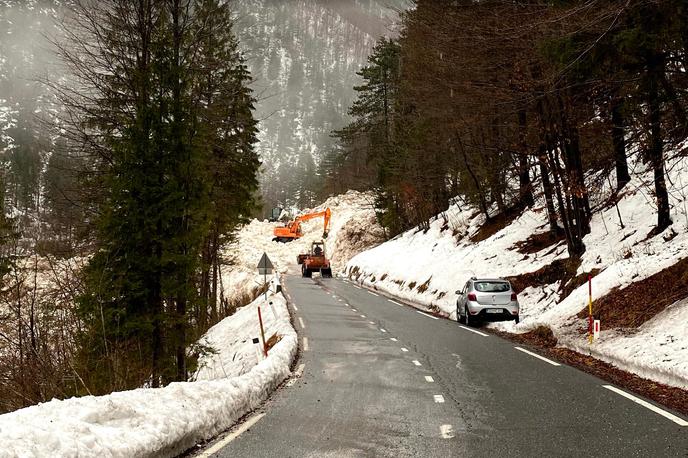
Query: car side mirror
459,293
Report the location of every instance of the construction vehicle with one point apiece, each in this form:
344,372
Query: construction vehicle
315,261
275,214
292,230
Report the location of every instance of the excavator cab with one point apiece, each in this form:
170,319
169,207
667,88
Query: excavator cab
315,261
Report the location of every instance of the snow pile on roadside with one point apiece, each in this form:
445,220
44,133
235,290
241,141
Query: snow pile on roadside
426,268
157,422
353,228
232,351
656,351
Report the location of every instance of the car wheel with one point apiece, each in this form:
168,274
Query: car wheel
467,319
517,320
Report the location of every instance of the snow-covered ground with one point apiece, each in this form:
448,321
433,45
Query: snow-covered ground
426,268
169,420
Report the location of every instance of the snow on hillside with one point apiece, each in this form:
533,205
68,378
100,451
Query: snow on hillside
426,268
353,228
164,421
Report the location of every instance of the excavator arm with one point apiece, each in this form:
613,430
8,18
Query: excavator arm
293,229
326,214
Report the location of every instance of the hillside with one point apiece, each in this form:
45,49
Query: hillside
644,334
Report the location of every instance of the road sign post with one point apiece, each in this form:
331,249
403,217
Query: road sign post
590,318
265,268
262,333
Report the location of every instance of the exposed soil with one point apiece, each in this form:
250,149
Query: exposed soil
542,338
496,224
640,301
424,287
560,269
538,242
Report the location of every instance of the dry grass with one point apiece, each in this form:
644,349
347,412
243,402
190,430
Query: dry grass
424,287
496,224
538,242
560,269
637,303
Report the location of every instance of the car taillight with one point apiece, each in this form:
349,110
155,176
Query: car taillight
472,297
513,297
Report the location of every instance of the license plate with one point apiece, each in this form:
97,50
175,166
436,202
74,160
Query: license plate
494,310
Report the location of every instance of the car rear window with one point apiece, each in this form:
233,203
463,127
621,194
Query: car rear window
491,286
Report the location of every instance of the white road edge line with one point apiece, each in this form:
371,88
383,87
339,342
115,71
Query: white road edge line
416,362
231,436
305,344
303,326
473,330
429,316
438,398
447,431
429,379
679,421
356,286
370,292
538,356
395,302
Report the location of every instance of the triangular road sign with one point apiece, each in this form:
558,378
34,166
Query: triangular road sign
265,262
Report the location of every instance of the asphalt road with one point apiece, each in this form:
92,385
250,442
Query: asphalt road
382,379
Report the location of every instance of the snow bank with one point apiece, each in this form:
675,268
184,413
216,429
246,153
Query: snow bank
164,421
426,268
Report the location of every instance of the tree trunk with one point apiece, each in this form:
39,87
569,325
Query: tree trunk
213,297
549,193
525,188
619,142
655,151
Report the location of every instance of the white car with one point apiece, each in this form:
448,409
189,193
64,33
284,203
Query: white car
487,299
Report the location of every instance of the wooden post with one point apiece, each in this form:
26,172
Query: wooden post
262,334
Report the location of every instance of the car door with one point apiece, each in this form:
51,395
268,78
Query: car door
462,296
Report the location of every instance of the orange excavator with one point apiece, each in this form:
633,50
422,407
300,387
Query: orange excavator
292,230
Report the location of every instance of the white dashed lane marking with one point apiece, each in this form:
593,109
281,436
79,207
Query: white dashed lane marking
393,339
679,421
475,331
383,330
438,398
537,356
404,349
425,314
303,326
305,344
416,362
429,379
446,431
